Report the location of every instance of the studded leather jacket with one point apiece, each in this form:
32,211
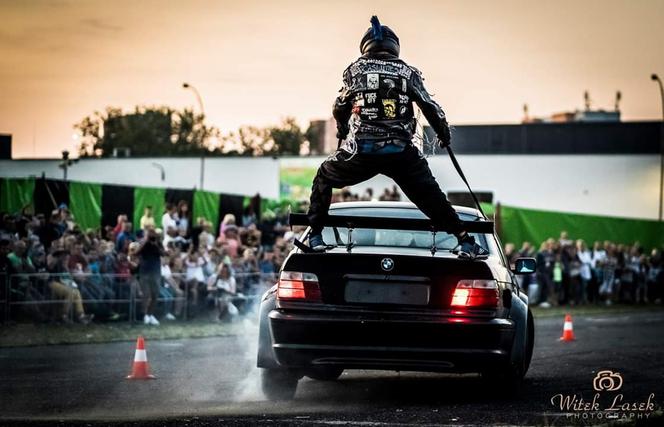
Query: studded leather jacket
375,103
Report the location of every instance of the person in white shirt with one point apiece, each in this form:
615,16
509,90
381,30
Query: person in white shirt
586,259
598,255
194,269
224,288
168,219
170,236
206,237
173,287
598,258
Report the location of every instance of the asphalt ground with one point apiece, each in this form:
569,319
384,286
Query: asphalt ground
212,381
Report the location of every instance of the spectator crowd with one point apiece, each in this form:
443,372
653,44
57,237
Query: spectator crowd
388,195
570,272
171,265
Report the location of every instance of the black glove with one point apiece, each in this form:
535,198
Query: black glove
342,132
444,137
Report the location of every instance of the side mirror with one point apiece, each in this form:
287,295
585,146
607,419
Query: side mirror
525,266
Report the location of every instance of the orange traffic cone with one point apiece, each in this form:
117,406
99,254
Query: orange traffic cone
140,369
568,330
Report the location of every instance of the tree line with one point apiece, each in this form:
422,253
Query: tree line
164,131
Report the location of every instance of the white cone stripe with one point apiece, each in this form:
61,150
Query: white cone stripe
141,356
567,326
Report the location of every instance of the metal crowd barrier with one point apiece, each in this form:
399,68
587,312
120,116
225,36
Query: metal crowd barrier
31,296
4,297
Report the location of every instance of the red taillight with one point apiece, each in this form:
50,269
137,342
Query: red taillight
475,293
295,285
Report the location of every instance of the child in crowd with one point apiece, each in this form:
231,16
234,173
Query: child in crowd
195,276
222,288
172,287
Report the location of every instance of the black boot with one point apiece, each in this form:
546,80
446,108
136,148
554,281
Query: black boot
468,249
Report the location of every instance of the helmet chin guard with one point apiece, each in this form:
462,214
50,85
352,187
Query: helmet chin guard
379,38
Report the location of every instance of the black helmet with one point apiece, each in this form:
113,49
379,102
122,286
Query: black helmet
379,38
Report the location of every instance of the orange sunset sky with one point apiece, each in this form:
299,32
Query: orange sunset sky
255,62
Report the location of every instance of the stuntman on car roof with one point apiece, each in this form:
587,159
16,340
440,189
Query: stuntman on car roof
375,124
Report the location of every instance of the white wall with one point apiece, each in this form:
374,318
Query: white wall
615,185
223,175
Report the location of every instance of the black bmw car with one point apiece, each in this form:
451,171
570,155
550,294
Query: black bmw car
393,295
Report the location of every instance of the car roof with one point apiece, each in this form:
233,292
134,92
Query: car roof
399,205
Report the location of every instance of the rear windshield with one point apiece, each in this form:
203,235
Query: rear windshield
396,238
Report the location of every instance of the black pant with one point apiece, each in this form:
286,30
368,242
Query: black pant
408,169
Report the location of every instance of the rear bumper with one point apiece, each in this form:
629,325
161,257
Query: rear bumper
401,342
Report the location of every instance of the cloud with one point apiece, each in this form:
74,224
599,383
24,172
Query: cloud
37,38
100,26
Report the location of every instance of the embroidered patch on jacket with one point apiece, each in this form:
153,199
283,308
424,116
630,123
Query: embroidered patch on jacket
389,108
372,81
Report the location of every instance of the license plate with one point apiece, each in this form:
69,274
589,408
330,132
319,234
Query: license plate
386,293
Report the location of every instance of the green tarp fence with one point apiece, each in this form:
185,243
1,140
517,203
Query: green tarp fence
488,209
85,204
144,196
16,193
516,224
206,205
535,226
278,206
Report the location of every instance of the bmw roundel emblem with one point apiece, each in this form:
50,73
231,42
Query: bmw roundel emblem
387,264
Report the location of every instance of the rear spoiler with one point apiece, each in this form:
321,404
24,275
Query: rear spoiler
413,224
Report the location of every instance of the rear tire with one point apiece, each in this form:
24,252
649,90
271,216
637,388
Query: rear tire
530,343
325,373
279,384
510,378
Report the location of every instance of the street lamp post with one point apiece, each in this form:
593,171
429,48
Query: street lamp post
656,78
65,164
186,85
198,95
161,169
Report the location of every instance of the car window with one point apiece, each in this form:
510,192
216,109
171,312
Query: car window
391,212
398,238
395,238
